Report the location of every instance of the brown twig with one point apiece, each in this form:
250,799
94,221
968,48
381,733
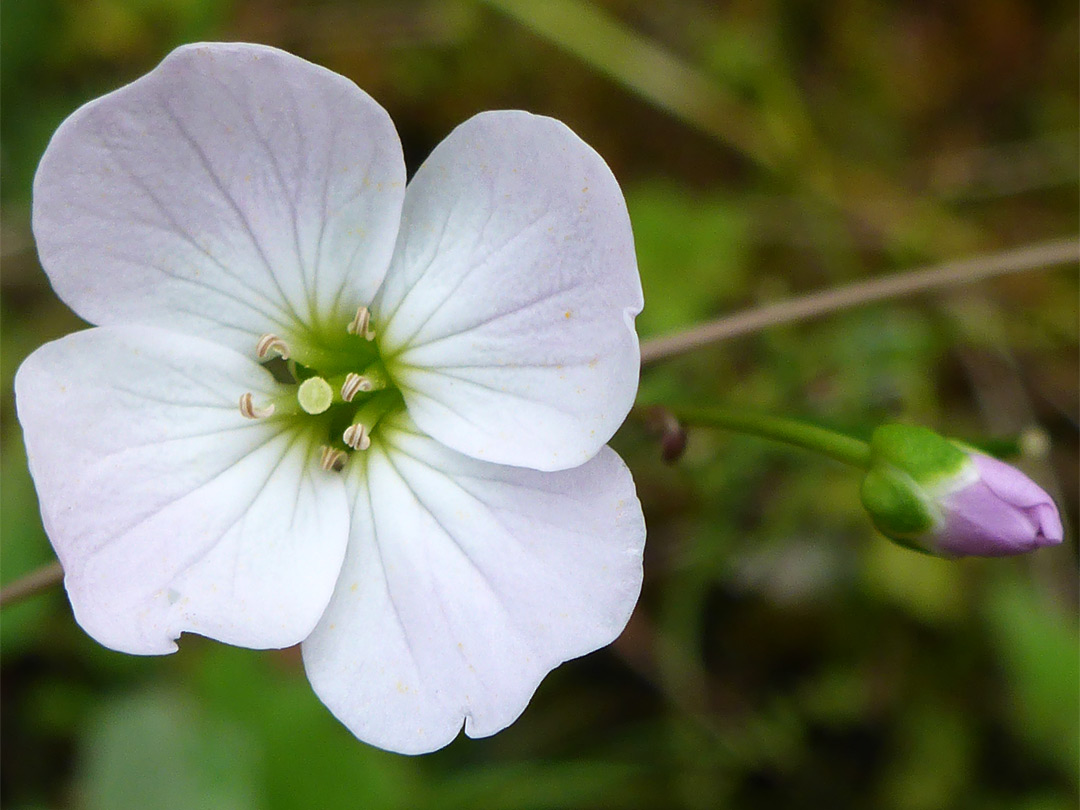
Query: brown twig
35,582
1031,257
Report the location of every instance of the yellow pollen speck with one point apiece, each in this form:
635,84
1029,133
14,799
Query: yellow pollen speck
567,315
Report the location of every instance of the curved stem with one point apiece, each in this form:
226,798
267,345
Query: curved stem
1031,257
789,431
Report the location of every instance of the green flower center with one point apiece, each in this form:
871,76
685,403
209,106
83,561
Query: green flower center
341,390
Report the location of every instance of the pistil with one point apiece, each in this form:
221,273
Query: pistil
315,395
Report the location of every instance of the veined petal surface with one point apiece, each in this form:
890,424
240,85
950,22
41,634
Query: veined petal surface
466,582
169,511
235,190
507,314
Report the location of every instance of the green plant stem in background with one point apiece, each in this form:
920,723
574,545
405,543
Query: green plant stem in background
781,429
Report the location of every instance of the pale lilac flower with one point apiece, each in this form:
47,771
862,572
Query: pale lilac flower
427,504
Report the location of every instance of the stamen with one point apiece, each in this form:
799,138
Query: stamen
355,384
332,459
271,343
361,324
249,410
356,436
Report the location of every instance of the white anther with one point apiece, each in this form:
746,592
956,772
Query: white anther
271,343
361,324
248,408
353,385
332,459
356,436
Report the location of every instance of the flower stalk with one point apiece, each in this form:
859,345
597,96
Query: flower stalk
781,429
921,490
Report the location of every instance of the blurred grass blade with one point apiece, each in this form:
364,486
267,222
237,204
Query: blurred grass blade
1036,643
644,68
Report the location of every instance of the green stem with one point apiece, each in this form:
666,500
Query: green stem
835,445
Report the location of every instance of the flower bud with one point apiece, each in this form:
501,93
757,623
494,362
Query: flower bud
935,495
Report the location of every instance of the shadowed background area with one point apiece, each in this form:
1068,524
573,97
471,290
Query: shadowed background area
783,655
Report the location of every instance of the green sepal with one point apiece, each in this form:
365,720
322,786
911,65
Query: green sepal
897,505
911,467
919,452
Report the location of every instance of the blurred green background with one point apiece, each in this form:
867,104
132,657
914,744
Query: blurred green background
782,655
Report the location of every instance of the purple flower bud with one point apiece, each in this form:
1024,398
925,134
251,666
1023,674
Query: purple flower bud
1001,512
942,497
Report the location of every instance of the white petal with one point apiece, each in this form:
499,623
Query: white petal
169,510
507,313
234,190
464,584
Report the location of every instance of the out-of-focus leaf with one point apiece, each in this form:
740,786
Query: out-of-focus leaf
1037,644
932,760
158,749
538,785
928,588
115,29
691,251
309,758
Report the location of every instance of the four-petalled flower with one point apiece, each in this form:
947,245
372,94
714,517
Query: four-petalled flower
320,406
